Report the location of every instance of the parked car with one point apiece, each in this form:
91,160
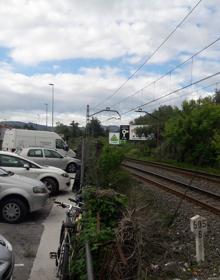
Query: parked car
54,178
6,259
20,195
51,157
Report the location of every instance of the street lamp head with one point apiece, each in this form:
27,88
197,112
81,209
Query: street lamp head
139,109
51,84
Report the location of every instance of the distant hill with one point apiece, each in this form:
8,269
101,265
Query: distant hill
30,125
112,128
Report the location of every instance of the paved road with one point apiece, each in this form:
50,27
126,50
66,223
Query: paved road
28,244
43,267
25,238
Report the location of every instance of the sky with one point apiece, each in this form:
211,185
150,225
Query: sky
90,48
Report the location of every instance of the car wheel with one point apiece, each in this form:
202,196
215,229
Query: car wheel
71,168
13,210
51,185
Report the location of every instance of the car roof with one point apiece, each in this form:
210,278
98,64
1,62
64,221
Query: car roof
34,147
38,147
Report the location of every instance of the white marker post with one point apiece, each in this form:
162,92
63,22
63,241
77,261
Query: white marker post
198,226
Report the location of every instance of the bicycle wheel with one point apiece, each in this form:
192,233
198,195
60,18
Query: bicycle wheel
63,263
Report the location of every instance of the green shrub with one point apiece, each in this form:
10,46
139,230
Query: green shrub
103,211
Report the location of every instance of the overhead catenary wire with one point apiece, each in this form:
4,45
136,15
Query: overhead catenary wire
202,88
172,92
195,91
168,72
148,58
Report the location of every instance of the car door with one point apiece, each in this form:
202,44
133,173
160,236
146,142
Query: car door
19,166
54,159
36,155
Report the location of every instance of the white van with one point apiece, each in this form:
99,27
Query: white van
16,139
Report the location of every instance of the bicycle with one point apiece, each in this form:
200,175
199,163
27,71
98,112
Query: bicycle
69,228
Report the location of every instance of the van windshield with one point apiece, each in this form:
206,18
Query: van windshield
60,144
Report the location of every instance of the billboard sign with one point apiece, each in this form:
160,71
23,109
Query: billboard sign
124,132
139,132
114,138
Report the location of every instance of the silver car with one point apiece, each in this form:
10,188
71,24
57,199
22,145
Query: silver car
54,178
20,195
51,157
6,259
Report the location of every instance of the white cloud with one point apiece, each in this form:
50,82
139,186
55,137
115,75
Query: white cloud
42,31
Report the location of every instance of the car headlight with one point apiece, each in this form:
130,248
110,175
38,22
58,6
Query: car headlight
40,189
66,175
4,242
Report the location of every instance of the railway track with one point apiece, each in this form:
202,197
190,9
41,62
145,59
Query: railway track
188,172
204,197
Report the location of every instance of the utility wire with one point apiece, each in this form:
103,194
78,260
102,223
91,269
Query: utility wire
202,88
170,71
154,52
195,91
172,92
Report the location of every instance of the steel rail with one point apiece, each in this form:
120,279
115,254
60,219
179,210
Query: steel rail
198,174
141,174
175,181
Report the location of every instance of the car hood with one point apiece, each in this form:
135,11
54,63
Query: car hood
52,169
18,179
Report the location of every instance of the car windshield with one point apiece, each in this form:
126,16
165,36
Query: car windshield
4,172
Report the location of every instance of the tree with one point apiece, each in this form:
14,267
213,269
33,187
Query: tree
63,130
193,135
75,130
217,96
29,126
156,120
94,128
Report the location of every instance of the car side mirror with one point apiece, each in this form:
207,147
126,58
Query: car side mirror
26,166
66,148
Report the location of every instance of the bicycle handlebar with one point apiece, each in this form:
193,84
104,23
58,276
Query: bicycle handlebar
62,204
66,205
79,203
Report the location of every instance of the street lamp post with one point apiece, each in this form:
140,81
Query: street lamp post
52,86
46,112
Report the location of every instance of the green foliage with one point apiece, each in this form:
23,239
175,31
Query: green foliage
63,130
29,126
139,150
107,203
68,132
216,145
71,134
109,173
193,135
110,158
217,97
158,118
94,128
103,210
74,129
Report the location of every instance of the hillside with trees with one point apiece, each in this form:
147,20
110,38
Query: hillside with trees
188,134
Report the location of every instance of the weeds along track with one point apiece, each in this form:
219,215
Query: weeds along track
197,187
